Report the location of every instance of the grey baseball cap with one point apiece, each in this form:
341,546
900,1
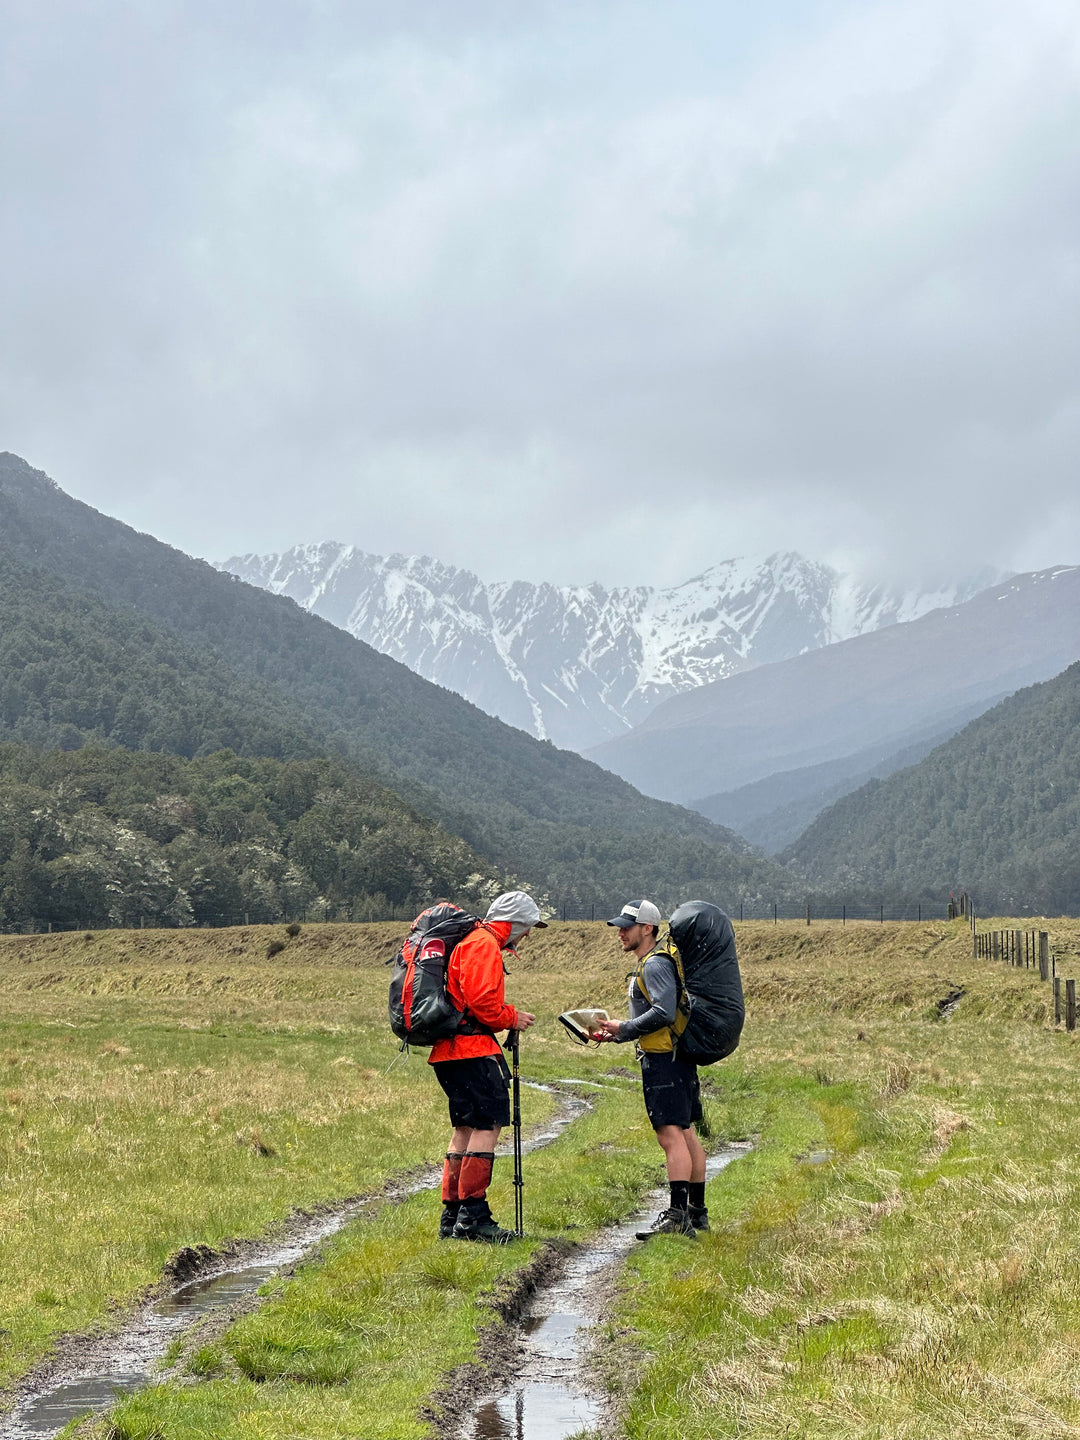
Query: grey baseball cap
640,912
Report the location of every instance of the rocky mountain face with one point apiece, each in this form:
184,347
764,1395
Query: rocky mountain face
579,665
876,693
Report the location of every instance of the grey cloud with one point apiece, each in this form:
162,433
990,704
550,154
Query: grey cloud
669,283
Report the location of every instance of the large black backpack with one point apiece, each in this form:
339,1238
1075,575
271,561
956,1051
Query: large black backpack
421,1010
705,940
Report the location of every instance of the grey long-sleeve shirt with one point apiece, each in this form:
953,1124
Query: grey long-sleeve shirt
662,986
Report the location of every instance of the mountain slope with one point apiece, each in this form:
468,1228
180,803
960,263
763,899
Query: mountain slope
546,815
995,811
775,811
836,701
579,664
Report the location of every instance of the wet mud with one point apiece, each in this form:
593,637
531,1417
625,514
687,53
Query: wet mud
543,1389
89,1373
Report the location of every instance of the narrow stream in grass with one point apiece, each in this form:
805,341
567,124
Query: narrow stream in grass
98,1371
552,1397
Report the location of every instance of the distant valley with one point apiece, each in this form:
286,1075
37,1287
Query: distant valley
808,728
108,636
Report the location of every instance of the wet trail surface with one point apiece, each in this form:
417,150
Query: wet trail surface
552,1396
92,1373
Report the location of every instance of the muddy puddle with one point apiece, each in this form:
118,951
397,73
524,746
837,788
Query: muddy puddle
93,1373
552,1397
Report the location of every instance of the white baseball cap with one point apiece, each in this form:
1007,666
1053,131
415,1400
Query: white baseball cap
641,912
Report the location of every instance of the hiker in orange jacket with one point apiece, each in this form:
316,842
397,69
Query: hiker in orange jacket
471,1070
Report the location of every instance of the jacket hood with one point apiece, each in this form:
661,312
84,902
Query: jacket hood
517,908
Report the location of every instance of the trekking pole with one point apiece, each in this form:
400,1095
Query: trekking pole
519,1180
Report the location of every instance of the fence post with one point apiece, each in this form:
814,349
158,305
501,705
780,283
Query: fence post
1044,955
1057,999
808,914
1070,1004
995,945
845,915
774,912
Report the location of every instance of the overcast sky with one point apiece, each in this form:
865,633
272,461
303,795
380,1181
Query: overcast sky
571,291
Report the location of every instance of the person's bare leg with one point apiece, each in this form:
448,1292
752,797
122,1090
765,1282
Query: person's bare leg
677,1154
697,1155
483,1139
459,1140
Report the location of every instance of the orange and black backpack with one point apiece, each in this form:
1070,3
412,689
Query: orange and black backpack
421,1010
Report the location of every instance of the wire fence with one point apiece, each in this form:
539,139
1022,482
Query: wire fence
772,911
775,911
1029,950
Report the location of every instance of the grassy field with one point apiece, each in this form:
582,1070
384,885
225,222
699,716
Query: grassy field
895,1257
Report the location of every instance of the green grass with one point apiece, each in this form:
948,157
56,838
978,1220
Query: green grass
926,1280
922,1281
357,1342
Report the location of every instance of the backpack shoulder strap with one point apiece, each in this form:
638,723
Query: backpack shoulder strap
667,948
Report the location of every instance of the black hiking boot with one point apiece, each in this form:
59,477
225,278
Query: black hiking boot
699,1217
448,1219
670,1222
475,1222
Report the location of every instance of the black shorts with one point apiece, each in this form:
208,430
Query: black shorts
478,1091
672,1090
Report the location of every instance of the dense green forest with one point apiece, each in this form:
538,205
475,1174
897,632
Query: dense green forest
98,836
995,811
111,636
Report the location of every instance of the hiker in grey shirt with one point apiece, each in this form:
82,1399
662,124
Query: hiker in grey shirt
659,1010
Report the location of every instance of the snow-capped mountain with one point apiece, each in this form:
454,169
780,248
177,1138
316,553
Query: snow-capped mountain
580,664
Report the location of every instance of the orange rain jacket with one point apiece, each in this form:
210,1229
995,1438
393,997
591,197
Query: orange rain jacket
474,980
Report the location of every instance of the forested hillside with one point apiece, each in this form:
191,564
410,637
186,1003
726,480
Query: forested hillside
110,837
116,637
74,669
995,810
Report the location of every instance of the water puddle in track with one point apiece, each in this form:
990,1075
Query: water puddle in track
103,1370
552,1397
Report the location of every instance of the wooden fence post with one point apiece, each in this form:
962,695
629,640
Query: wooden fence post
995,945
1057,999
1070,1004
1044,955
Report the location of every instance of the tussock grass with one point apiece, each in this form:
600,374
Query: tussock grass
926,1281
359,1340
894,1258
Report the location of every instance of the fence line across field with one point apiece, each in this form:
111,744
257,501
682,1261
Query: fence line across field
1029,950
771,911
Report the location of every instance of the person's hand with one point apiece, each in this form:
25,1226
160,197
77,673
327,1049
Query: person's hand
524,1020
607,1031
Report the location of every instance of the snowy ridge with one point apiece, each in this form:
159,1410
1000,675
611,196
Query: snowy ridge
581,664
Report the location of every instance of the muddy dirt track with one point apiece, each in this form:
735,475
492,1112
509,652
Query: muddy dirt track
89,1373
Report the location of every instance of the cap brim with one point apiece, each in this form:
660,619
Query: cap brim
623,921
539,925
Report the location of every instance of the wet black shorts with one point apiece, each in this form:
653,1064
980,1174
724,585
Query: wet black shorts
478,1091
672,1091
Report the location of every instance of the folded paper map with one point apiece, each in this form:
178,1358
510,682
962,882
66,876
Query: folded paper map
581,1022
